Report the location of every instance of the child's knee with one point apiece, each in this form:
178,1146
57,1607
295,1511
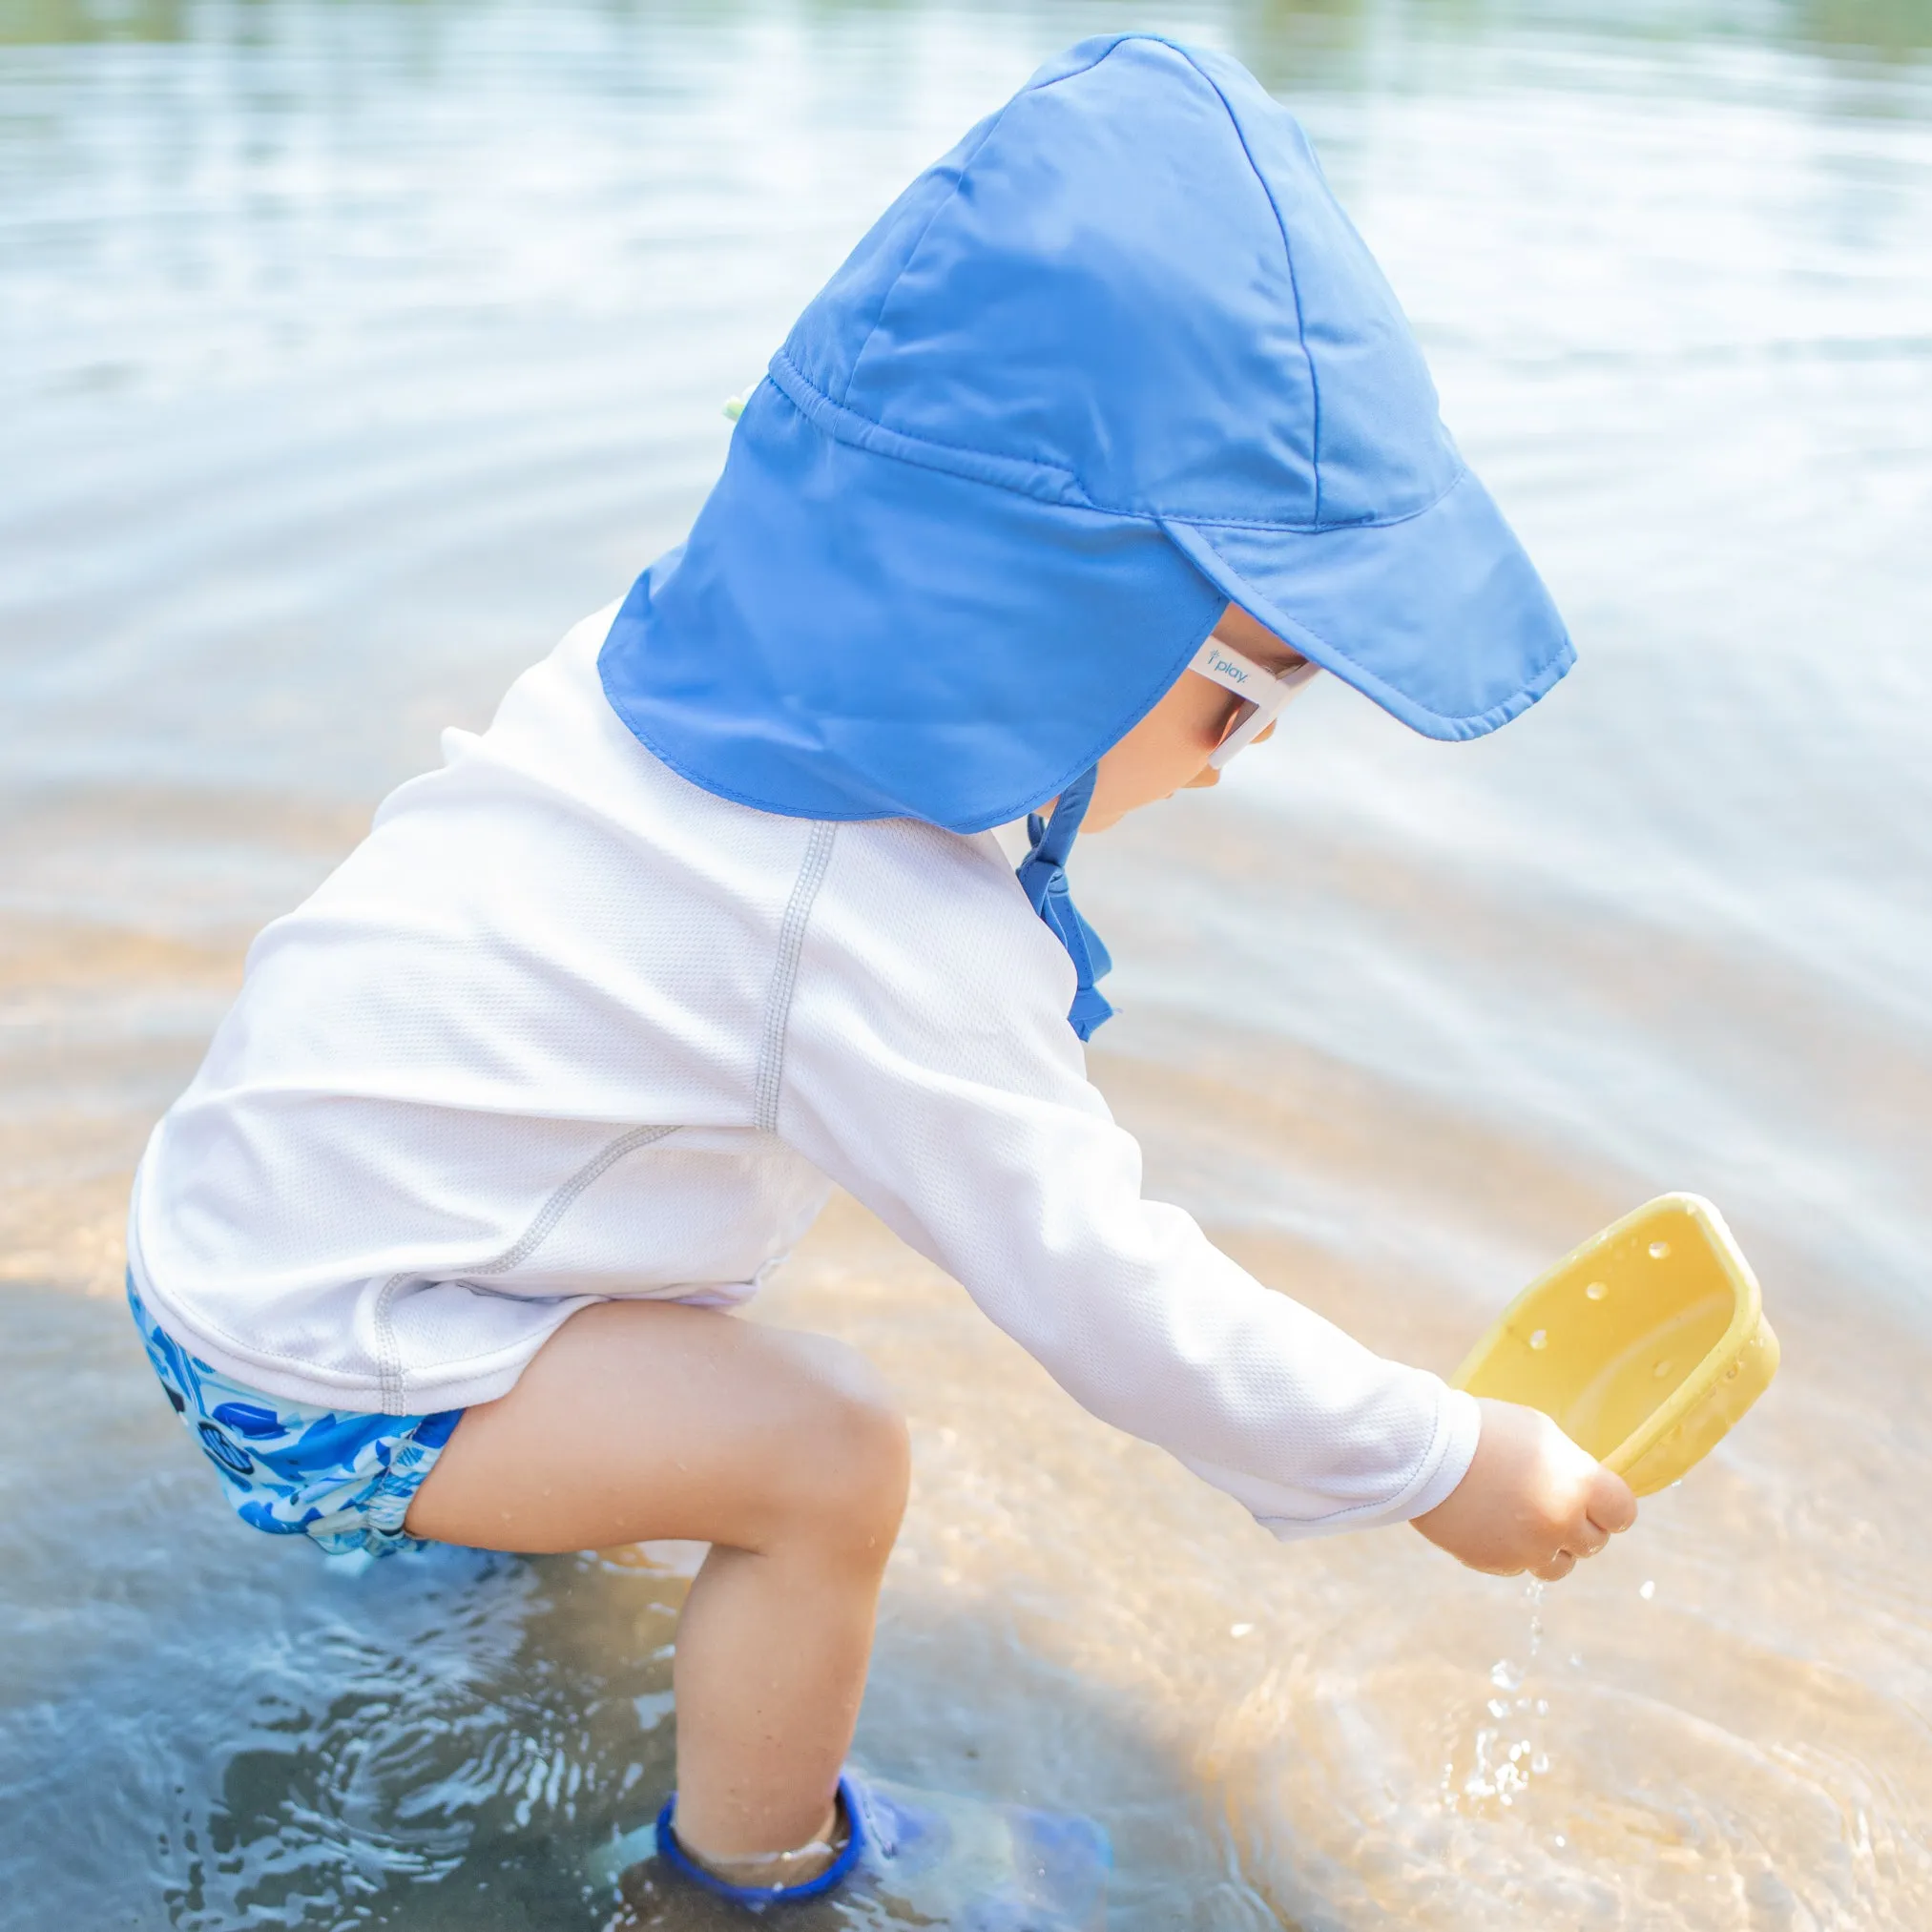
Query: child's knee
853,1470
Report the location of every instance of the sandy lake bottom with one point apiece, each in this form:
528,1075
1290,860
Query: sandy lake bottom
349,353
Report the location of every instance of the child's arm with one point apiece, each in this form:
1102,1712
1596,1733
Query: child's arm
1531,1500
927,1066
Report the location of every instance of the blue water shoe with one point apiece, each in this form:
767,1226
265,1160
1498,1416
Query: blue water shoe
910,1856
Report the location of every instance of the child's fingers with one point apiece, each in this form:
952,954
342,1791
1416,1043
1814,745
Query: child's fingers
1556,1568
1612,1506
1585,1539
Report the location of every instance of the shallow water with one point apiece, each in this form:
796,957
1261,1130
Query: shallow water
349,352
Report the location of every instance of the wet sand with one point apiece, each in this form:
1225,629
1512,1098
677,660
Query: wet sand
349,354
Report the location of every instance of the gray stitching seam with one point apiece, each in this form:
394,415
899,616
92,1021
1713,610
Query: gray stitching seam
389,1352
564,1199
771,1071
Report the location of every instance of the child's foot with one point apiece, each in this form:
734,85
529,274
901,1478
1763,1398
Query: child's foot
926,1856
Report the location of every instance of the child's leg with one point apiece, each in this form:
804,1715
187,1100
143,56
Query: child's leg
783,1451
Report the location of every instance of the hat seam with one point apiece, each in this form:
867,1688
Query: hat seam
848,425
1196,521
1287,255
1186,55
993,128
838,418
905,261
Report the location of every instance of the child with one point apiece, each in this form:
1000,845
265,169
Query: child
1107,437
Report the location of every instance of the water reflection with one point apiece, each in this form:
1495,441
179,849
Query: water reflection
1269,31
348,352
204,1732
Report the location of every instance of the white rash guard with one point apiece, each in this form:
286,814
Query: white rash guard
566,1027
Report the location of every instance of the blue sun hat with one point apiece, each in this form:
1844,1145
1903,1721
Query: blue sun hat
1117,361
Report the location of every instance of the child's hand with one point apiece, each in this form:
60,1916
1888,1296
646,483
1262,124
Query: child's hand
1531,1500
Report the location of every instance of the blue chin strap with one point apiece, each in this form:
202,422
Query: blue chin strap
1042,878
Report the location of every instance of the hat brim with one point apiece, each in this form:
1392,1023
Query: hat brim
1440,618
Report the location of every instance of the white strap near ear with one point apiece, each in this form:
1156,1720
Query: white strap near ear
1265,691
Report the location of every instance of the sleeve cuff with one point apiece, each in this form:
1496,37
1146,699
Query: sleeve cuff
1456,1438
1294,1514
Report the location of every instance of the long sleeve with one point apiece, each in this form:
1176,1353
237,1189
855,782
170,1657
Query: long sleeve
928,1068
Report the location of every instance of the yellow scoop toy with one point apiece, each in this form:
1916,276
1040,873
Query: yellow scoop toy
1644,1346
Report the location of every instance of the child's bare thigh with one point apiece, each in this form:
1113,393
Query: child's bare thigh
645,1418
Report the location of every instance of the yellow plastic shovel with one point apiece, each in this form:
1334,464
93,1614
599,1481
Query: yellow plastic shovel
1644,1346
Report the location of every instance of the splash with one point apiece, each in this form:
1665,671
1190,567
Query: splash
1511,1748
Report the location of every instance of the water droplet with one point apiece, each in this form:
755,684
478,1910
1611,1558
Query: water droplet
1598,1290
1240,1630
1658,1250
1540,1339
1559,1842
1647,1590
1499,1706
1540,1763
1663,1368
1505,1676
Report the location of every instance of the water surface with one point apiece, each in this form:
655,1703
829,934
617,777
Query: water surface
349,352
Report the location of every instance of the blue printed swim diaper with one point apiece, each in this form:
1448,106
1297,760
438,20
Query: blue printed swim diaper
343,1479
